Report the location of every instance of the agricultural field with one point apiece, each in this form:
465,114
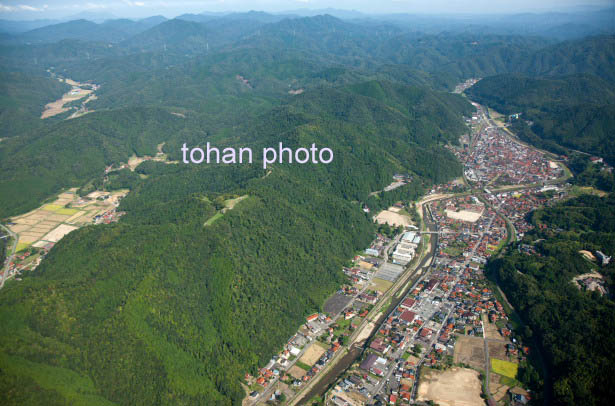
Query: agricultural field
79,91
497,349
504,368
470,350
52,221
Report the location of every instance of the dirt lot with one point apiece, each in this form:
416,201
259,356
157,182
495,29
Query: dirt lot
491,330
336,303
296,372
393,219
453,387
365,332
464,215
352,398
470,350
312,354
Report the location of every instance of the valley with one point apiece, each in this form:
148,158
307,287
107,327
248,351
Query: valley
431,220
413,320
69,100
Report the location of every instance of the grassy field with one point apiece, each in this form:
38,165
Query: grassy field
230,203
510,382
381,285
303,366
323,345
504,368
22,246
453,251
576,191
212,219
56,208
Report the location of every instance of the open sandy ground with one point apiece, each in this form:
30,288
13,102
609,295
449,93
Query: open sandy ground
453,387
393,219
464,215
365,332
296,372
312,354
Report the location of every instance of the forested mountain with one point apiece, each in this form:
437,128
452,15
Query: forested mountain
77,29
114,30
16,26
176,35
176,301
594,55
40,162
567,320
574,112
353,44
195,305
22,100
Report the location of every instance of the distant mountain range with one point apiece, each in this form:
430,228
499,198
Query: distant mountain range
561,25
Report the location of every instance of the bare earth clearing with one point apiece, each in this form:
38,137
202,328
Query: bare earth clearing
393,218
312,354
464,215
453,387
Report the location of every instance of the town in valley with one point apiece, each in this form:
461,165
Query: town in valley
418,321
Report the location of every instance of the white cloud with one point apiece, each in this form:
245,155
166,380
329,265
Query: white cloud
31,8
91,6
21,7
133,3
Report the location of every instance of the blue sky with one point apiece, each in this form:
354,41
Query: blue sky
34,9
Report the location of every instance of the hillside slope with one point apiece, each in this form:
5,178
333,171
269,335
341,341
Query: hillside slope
571,112
160,309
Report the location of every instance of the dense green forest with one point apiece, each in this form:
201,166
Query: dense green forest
193,306
41,162
588,173
572,325
176,301
22,100
572,112
390,128
196,303
3,246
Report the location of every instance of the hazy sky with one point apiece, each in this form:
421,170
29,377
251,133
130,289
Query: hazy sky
30,9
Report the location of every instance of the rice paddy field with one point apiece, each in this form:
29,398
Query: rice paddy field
52,221
504,368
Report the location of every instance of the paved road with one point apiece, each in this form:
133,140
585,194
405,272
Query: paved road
9,257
